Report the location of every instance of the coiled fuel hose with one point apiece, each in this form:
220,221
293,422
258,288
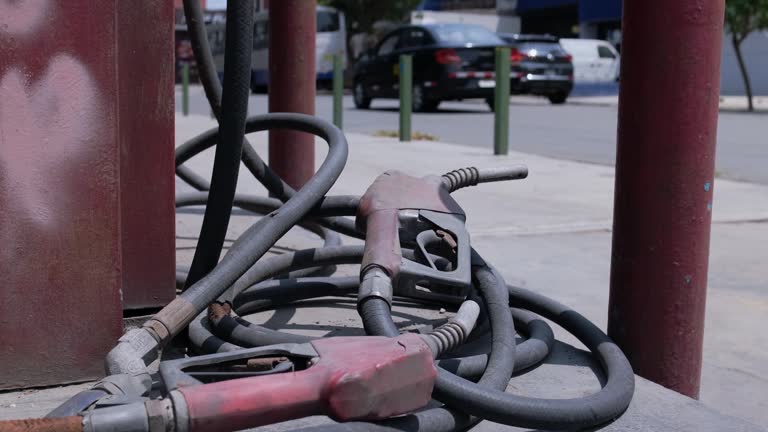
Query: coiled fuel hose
470,388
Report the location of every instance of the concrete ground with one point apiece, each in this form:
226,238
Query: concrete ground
549,233
727,103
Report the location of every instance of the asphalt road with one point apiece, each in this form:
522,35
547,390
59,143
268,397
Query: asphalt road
572,131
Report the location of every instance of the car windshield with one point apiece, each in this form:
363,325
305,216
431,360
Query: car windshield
541,48
459,34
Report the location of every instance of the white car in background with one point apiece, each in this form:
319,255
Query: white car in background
594,60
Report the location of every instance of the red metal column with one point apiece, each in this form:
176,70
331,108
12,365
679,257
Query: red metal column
65,140
292,33
145,67
668,107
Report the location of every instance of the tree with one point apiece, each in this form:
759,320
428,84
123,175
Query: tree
366,12
742,17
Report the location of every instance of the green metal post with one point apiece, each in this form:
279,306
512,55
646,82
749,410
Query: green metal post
501,103
185,89
406,88
338,89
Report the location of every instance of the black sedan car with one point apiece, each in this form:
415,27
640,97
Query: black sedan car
450,62
540,66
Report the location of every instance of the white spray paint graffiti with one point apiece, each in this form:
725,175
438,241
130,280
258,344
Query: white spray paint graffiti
45,119
48,117
23,17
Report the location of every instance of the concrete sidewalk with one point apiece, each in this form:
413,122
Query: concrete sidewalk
549,233
727,103
607,94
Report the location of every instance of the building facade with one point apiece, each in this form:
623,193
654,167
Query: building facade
592,19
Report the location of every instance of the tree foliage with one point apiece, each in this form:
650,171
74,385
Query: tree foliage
743,17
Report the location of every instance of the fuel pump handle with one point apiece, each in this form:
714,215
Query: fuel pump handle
350,378
398,208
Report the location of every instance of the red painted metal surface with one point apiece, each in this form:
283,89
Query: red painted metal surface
292,86
355,378
379,209
61,186
145,65
668,107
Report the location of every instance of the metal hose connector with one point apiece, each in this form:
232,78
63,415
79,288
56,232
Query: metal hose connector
452,334
375,283
471,176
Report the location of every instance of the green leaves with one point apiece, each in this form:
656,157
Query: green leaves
742,17
745,16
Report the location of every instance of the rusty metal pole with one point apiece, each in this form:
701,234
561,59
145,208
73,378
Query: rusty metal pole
668,107
86,181
292,31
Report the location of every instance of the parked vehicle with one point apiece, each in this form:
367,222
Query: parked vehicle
540,66
331,40
594,60
450,62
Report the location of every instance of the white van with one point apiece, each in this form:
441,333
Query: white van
594,60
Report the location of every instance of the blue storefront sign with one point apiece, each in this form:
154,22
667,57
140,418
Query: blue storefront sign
524,6
599,10
589,10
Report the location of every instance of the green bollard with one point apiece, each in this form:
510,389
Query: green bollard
501,103
406,88
338,89
185,89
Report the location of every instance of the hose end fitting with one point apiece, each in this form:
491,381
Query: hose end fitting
134,350
375,283
452,334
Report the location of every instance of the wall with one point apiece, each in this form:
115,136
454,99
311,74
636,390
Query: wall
145,66
85,159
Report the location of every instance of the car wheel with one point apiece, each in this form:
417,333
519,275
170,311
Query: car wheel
558,98
420,103
362,101
491,104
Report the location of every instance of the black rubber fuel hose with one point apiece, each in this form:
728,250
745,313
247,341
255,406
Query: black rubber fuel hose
213,91
554,414
486,398
226,164
258,239
532,351
496,376
329,206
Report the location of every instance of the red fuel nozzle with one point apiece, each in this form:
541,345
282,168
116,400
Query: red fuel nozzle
350,378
